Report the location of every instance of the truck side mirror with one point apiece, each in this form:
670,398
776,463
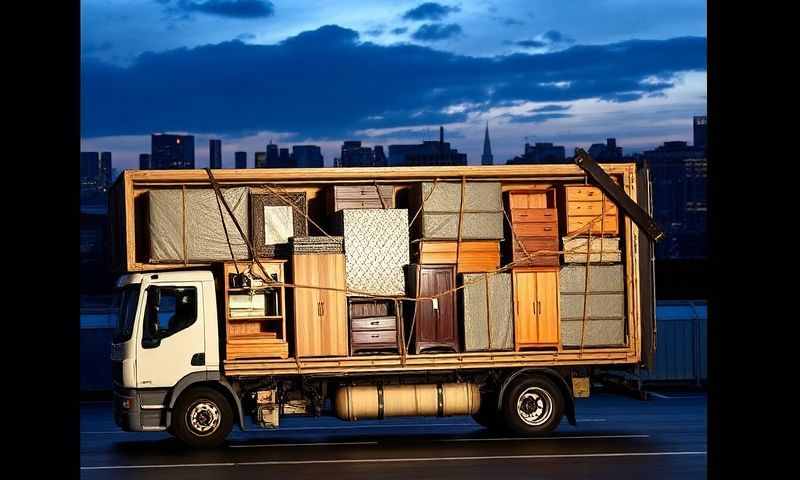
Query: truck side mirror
150,335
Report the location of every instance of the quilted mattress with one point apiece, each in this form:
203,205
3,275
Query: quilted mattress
487,312
604,303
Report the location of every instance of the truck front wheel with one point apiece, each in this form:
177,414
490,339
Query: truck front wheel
202,417
533,405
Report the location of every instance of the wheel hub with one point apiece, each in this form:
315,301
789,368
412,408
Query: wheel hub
534,406
204,417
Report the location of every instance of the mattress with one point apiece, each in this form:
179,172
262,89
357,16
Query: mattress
487,312
274,221
376,248
601,250
475,226
446,196
604,303
185,225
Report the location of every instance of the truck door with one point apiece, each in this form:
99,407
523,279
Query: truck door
171,338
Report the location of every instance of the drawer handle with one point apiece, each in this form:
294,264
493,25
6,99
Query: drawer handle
374,323
375,336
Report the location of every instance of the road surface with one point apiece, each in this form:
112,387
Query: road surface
616,437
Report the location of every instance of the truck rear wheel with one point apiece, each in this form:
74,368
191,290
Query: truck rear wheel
532,405
202,418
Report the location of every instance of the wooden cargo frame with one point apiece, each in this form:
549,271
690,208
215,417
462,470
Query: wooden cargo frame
133,182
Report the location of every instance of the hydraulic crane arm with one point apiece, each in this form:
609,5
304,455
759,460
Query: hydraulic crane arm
636,213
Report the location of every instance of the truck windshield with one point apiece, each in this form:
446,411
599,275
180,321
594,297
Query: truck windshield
126,300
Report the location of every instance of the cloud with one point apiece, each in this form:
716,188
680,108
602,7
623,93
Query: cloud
551,38
231,88
375,32
245,9
529,44
246,36
536,117
430,11
432,32
551,108
399,30
554,36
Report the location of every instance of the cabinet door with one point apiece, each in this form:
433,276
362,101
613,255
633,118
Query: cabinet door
525,307
445,320
333,306
547,307
307,332
426,316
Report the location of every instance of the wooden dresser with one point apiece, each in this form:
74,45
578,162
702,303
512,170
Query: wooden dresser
534,219
340,197
435,325
587,204
255,319
320,316
373,326
536,309
477,256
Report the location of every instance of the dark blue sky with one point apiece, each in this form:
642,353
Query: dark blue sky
391,72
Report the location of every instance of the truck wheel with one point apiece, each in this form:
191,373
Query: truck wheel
487,415
532,405
202,418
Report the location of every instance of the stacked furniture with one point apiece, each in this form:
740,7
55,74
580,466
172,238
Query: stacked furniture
276,217
604,300
185,225
255,316
592,316
443,220
536,308
433,323
534,221
373,326
376,249
486,306
360,196
320,315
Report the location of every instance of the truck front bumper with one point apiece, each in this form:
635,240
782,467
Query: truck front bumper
140,410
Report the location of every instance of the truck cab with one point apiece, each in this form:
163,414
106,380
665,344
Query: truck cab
166,334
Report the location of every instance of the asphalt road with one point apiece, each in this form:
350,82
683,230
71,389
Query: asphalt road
616,437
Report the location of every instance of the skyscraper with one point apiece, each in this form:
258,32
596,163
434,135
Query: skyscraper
540,152
144,161
284,158
240,159
354,155
90,167
260,160
307,156
171,151
272,155
215,153
429,152
487,158
699,131
104,175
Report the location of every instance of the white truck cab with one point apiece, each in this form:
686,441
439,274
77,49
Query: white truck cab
167,333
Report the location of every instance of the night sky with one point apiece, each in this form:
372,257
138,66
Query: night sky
247,71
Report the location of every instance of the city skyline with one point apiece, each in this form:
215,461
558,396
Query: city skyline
527,69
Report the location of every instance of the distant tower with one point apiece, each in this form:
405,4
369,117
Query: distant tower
487,158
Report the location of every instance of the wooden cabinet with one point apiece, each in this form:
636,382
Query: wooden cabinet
320,316
255,318
476,256
373,326
588,205
536,315
341,197
435,326
534,221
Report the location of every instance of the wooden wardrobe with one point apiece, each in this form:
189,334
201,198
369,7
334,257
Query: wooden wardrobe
435,326
536,314
320,316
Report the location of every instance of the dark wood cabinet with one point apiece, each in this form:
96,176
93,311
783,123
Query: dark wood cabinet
435,326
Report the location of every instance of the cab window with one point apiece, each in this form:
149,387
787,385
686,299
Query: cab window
169,310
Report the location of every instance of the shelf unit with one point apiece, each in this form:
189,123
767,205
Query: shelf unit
262,335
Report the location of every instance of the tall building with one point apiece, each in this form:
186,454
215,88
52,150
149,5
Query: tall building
144,161
307,156
679,199
487,158
273,158
241,159
608,152
429,152
90,167
104,175
284,158
169,151
215,153
699,131
260,159
540,152
355,155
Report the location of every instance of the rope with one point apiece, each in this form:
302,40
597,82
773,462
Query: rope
227,237
183,218
460,219
287,201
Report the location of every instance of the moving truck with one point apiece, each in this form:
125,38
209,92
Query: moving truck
264,293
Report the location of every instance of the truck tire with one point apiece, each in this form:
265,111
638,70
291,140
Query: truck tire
532,405
202,418
487,415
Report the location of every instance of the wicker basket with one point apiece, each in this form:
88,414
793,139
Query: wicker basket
316,245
